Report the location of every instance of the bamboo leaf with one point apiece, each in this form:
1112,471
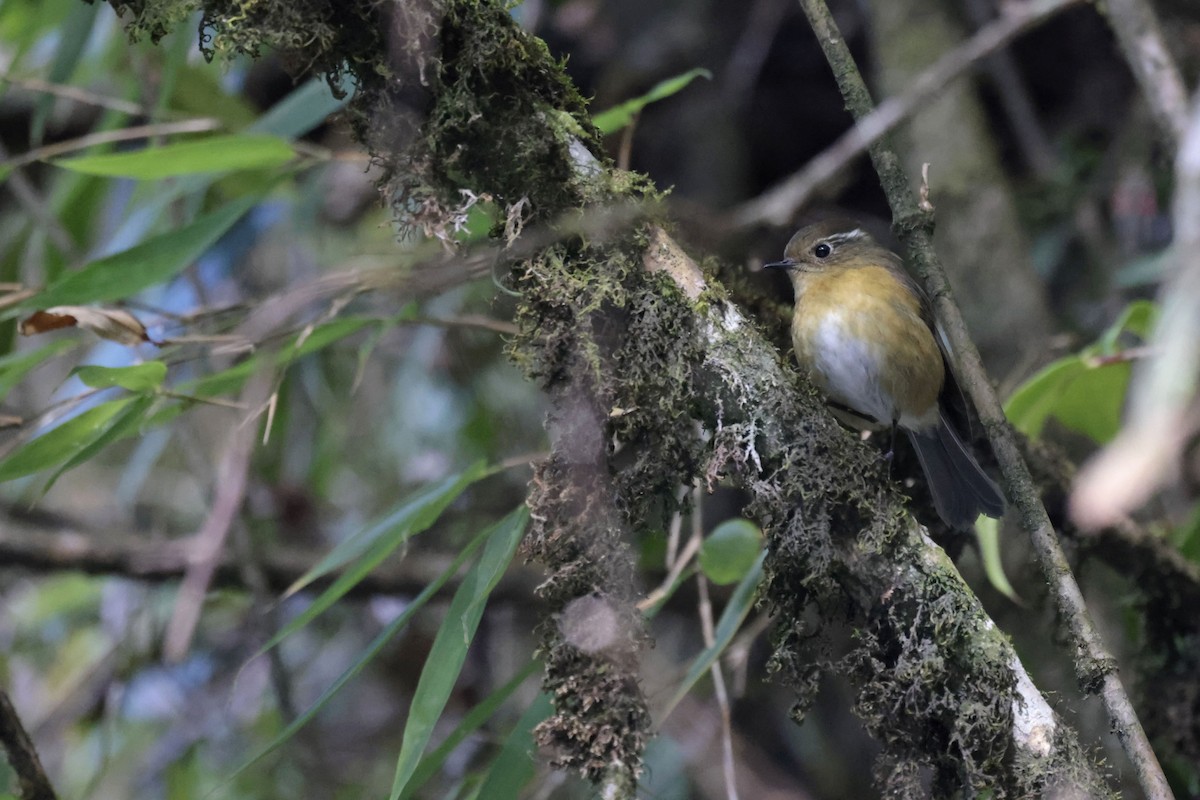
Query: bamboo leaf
212,154
136,378
373,649
513,767
60,443
735,613
621,115
449,649
144,265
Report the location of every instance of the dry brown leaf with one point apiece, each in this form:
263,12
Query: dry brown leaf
113,324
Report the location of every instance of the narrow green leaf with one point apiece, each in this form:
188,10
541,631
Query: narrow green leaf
471,722
409,518
59,444
74,33
987,532
146,264
372,546
226,153
303,109
513,767
136,378
449,649
373,649
126,424
15,366
729,552
735,613
619,116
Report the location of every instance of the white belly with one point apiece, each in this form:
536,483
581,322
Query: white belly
847,370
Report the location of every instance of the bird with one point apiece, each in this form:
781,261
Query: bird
864,331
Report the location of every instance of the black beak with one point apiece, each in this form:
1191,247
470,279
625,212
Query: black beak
787,263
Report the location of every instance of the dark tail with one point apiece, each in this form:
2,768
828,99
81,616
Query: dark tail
960,488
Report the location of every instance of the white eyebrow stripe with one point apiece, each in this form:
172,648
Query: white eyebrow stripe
842,238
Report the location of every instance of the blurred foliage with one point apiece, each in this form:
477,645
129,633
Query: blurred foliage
1085,392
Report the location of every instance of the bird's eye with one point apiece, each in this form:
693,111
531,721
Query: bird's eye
822,250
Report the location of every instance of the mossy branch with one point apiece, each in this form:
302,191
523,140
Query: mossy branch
470,101
937,682
1095,667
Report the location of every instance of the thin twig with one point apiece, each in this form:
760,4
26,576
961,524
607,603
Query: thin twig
108,137
1095,667
707,630
468,321
1001,69
778,205
209,542
681,563
78,95
1141,39
31,200
22,755
42,542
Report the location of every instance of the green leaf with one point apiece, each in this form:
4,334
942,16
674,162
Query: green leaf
1186,537
729,552
73,35
410,518
619,116
1084,397
1138,318
304,109
60,443
449,649
15,366
373,545
735,613
987,532
513,767
471,722
146,264
136,378
373,649
126,424
239,151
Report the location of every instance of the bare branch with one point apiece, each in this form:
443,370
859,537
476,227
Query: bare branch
1158,76
47,543
779,205
108,137
22,755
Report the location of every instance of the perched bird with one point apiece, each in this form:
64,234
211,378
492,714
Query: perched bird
864,331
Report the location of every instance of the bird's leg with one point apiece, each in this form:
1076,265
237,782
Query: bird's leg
890,455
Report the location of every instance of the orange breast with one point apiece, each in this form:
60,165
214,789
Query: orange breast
861,334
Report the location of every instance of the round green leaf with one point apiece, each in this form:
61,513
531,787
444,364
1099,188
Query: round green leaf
730,551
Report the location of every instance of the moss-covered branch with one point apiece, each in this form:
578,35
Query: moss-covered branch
1095,667
635,348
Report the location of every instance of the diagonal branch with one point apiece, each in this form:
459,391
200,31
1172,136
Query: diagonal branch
1095,666
1141,39
778,205
22,755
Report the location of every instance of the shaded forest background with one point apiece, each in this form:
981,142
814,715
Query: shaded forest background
344,373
